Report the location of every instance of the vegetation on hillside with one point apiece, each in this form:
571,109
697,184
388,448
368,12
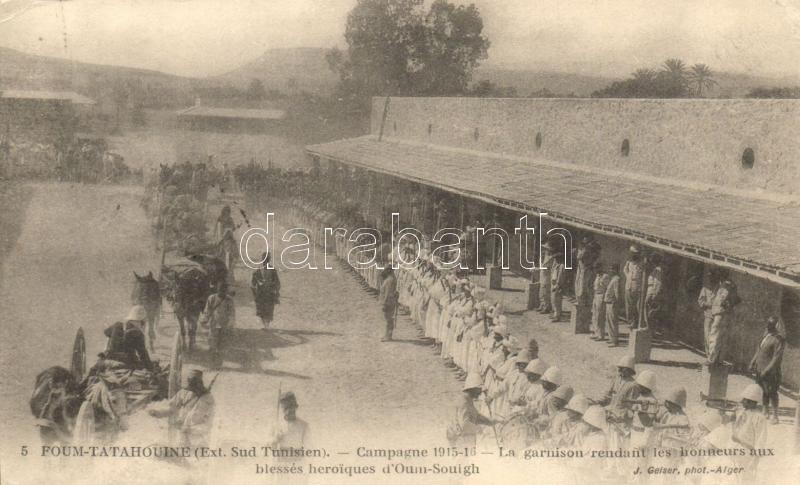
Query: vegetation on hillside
674,79
777,93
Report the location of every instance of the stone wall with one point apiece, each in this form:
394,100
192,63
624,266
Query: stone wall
692,140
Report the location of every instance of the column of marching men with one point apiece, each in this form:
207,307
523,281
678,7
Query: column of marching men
512,397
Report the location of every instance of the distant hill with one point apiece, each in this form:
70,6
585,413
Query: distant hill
100,82
735,85
285,70
529,81
305,66
308,67
526,82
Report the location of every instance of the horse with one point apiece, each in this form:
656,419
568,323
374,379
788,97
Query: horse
55,403
147,292
217,268
187,290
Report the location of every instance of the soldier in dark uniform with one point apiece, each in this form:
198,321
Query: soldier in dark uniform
126,342
388,300
766,364
266,287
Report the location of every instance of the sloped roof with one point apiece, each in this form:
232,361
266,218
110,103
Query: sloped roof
241,113
74,97
757,235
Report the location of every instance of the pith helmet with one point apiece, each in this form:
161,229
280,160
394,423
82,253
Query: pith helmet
473,381
578,403
752,392
596,416
137,313
501,330
192,373
627,361
647,379
523,357
536,366
677,397
553,374
564,393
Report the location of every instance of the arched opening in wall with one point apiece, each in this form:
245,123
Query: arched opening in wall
430,129
626,147
394,126
476,134
539,140
748,158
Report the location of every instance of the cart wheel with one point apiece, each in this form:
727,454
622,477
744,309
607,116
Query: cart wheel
175,364
78,363
516,432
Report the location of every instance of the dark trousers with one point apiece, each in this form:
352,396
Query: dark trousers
770,384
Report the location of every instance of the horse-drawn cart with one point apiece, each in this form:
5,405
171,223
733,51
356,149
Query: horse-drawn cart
80,406
186,283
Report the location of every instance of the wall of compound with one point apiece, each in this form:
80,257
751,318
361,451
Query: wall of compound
737,143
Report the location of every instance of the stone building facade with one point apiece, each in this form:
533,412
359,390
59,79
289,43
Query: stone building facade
706,183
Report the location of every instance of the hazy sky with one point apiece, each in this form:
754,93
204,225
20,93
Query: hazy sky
608,37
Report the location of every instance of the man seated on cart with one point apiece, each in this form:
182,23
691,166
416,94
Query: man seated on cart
126,341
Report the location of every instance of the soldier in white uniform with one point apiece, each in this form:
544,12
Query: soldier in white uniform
193,410
462,430
290,432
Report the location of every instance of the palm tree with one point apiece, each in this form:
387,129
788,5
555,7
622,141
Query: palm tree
675,67
702,77
673,72
644,75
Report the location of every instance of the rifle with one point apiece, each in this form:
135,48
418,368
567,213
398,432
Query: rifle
494,425
643,404
724,405
213,380
671,426
396,304
620,426
278,408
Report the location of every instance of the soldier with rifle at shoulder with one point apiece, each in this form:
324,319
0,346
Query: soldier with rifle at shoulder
192,410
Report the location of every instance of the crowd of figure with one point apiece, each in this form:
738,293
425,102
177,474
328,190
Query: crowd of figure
512,397
86,160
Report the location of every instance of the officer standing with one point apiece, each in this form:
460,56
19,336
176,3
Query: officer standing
388,300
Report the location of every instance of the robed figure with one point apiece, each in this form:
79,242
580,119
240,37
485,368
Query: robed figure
266,287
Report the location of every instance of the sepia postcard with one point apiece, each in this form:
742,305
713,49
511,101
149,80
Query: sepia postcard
399,242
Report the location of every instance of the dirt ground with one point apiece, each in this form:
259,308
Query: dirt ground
14,200
72,267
